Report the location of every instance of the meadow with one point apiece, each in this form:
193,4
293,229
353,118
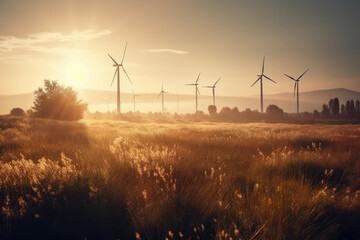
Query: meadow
104,179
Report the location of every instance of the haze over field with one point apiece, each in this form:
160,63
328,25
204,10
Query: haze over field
184,103
172,42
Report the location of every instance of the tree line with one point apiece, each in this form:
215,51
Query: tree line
351,109
55,101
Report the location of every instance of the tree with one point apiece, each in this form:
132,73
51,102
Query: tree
343,110
17,112
325,110
235,111
225,113
274,110
212,110
331,103
334,106
350,108
57,102
357,107
316,113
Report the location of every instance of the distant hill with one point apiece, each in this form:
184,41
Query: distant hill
321,95
8,102
309,101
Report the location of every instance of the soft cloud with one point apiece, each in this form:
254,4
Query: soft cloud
14,57
48,42
165,50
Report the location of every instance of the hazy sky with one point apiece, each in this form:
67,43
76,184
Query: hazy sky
172,41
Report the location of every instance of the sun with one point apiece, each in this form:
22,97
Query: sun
76,73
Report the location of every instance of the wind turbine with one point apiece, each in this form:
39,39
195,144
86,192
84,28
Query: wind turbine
296,87
177,101
261,84
196,90
134,98
162,92
117,65
107,101
213,89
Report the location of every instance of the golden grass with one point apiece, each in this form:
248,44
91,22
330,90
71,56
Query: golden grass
110,179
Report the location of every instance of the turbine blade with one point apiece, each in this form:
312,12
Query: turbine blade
289,77
263,65
302,74
127,75
294,88
269,79
197,89
162,87
190,84
113,60
117,71
124,54
216,82
158,95
198,78
207,86
255,82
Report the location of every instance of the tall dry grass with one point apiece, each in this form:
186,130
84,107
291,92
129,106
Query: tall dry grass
121,180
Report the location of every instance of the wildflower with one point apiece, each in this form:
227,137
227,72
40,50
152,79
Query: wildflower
144,193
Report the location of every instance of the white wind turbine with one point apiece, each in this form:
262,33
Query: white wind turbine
261,84
107,101
117,65
196,90
213,89
296,87
162,92
134,98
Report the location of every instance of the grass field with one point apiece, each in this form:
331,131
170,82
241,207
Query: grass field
118,180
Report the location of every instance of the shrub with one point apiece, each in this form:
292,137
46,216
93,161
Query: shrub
212,110
274,110
17,112
57,102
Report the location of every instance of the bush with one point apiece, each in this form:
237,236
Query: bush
57,102
17,112
274,110
212,110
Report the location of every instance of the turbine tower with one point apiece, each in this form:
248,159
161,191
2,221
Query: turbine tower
107,101
261,84
162,92
134,98
196,90
213,89
117,72
296,87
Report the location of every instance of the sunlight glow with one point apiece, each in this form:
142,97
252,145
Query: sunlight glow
76,73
